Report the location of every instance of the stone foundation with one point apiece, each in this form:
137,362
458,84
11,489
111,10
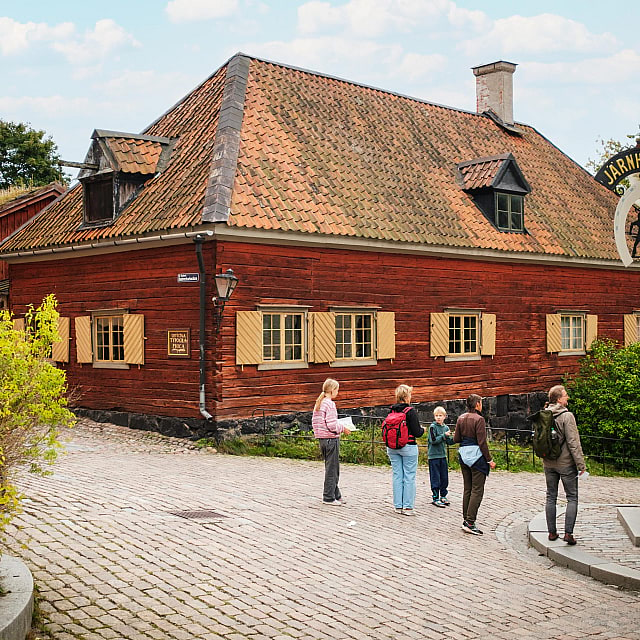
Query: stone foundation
501,412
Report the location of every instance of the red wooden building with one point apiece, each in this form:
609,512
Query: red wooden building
376,239
18,206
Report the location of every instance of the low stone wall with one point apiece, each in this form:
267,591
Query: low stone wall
501,412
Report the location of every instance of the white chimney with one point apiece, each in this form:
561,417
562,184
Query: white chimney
494,89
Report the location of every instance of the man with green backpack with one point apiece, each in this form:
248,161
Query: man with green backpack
557,442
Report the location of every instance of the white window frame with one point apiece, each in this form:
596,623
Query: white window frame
283,311
466,355
574,348
355,360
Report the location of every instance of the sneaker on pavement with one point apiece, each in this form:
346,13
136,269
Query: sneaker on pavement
471,528
553,535
398,510
343,500
569,539
438,503
408,512
445,502
335,503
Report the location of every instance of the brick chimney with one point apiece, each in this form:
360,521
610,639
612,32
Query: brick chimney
494,89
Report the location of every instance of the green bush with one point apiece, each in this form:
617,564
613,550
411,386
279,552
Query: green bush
605,398
32,401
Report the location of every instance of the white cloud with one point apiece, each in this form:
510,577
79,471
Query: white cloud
539,34
16,37
620,68
477,20
369,18
328,54
191,10
47,105
95,44
416,66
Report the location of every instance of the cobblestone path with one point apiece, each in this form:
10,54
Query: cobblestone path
111,561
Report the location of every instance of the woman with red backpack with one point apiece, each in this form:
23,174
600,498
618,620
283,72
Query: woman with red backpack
404,458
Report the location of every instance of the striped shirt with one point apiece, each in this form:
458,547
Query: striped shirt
325,420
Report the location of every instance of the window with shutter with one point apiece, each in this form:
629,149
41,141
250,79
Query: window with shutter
133,338
461,334
631,328
570,332
84,351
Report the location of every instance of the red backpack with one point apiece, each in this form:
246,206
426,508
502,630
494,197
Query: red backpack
395,432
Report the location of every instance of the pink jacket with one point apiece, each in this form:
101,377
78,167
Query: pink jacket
325,420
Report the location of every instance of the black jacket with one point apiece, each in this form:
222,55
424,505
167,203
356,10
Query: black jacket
413,422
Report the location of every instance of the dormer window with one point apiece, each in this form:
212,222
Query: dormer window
498,189
509,211
116,168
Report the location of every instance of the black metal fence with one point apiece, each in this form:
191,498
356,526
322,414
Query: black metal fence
511,448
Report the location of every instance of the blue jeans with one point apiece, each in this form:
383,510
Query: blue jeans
404,463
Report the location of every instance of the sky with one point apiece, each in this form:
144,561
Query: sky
69,67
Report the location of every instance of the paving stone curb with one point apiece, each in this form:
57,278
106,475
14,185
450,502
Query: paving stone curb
629,517
574,558
16,607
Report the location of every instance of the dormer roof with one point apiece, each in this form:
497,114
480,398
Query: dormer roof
495,172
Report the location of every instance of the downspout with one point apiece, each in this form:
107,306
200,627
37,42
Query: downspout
199,240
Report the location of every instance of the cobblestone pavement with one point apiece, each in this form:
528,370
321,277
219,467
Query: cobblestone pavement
111,561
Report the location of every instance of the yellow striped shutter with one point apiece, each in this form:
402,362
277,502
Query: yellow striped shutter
592,330
18,324
60,348
554,335
386,334
133,335
322,336
439,336
248,337
488,334
630,330
84,352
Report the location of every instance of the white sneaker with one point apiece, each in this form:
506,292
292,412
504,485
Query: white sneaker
398,510
408,512
335,503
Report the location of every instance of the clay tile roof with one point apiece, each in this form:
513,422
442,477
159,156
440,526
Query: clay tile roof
320,155
478,174
134,155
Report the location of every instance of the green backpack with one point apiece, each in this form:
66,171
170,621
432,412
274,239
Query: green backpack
547,439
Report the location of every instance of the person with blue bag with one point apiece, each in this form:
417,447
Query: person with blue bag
475,460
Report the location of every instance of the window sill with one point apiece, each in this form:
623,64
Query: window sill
282,365
354,363
461,358
110,365
572,353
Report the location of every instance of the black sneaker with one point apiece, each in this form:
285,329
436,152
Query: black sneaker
471,528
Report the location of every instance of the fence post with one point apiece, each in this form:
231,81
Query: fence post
373,444
604,464
506,446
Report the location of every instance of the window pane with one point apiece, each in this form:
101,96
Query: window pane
516,222
455,334
565,332
516,204
293,336
117,340
363,335
503,219
503,202
271,336
102,338
470,334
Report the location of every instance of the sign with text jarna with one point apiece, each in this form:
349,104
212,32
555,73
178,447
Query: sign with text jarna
188,277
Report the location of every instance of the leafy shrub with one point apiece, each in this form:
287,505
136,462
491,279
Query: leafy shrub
605,398
32,401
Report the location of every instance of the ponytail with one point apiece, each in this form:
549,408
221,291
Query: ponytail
327,387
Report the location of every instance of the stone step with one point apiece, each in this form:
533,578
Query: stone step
630,519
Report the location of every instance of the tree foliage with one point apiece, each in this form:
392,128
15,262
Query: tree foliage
27,156
608,148
32,401
605,397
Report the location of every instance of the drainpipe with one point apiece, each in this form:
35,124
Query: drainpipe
199,240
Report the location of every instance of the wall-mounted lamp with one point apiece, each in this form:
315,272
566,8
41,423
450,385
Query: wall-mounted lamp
225,284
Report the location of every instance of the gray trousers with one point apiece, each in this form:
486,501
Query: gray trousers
473,492
330,449
569,477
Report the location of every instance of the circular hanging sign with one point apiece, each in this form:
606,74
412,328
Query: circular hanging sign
611,174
